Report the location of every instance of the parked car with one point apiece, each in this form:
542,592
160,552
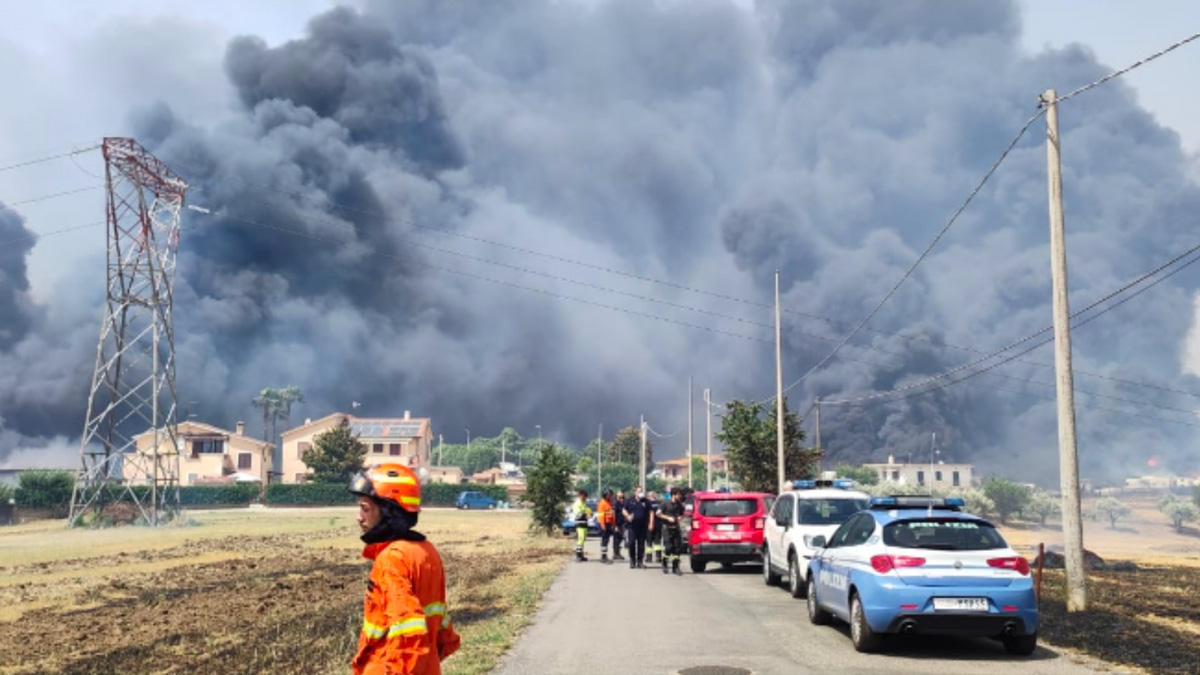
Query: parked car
727,527
474,500
568,524
813,508
921,565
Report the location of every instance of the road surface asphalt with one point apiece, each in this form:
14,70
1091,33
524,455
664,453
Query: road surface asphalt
603,619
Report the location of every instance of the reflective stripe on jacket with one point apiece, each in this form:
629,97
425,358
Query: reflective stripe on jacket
406,628
605,515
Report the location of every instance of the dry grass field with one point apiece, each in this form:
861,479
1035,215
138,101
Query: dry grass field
258,590
1147,618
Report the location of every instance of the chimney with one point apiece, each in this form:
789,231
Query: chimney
891,459
241,428
407,415
308,420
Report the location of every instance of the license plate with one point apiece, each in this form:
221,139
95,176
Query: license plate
727,528
961,604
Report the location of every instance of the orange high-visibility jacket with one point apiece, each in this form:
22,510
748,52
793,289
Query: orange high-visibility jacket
605,515
406,628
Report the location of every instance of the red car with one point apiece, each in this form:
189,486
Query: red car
727,527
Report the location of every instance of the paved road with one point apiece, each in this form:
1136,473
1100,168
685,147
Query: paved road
610,619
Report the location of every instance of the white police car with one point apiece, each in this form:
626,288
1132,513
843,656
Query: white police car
812,509
920,565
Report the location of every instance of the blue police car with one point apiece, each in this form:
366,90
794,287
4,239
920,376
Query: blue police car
920,565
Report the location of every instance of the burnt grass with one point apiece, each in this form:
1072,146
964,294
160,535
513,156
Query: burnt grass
1149,618
282,609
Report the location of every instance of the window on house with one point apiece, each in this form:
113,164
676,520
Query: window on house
920,478
896,476
208,447
377,448
301,447
394,449
937,476
245,460
954,477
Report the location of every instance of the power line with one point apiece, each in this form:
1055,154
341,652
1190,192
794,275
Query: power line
56,195
941,376
1136,64
904,277
41,235
509,283
412,223
49,158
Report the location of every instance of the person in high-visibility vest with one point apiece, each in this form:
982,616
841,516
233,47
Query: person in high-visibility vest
671,514
406,627
654,550
606,518
581,513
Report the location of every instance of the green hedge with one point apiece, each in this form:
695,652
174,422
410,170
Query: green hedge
218,495
308,494
45,489
332,494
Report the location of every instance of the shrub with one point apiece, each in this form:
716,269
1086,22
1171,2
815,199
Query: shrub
1114,510
6,493
1009,497
45,489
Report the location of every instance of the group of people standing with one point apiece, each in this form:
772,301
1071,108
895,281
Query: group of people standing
649,528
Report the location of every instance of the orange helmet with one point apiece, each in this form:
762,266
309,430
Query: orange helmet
389,481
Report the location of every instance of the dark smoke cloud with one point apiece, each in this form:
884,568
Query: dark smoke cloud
691,141
15,307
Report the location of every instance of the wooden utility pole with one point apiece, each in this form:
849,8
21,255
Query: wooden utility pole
708,437
599,459
689,452
820,459
780,422
642,460
1072,520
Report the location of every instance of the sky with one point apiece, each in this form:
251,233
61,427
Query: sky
711,144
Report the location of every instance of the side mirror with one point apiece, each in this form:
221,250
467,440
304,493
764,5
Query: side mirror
781,521
818,541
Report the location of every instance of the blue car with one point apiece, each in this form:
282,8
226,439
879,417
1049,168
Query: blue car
474,500
568,525
920,565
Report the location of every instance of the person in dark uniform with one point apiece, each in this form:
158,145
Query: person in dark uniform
654,547
671,515
619,509
637,523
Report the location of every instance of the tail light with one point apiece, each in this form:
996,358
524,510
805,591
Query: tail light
697,523
760,523
886,563
1017,564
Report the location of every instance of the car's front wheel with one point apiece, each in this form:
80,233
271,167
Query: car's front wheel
1020,645
769,578
698,565
816,615
861,636
796,583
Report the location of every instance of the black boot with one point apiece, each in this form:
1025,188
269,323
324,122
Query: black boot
675,567
604,558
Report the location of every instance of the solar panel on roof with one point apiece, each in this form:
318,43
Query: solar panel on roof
399,429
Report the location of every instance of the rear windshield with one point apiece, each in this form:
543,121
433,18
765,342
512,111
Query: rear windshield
828,511
728,507
943,535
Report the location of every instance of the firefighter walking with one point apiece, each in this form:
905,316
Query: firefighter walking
606,518
581,513
406,628
671,514
654,547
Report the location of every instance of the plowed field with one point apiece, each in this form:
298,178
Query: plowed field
270,591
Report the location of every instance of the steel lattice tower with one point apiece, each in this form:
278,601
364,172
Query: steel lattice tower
129,449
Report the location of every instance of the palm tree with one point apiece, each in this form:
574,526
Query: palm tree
269,400
287,396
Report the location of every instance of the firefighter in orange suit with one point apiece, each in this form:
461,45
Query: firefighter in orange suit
606,518
406,627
